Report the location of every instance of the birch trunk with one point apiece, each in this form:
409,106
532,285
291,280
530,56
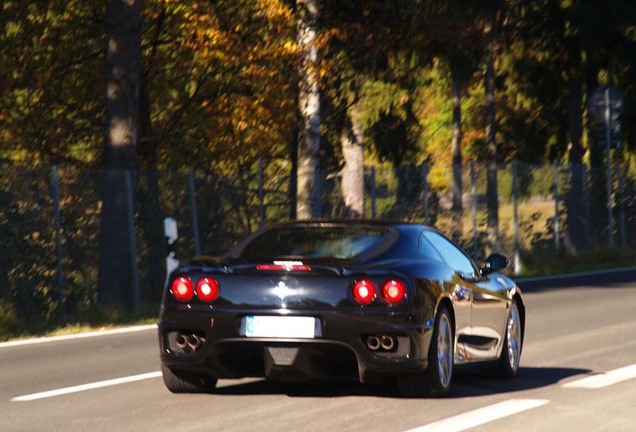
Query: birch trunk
307,199
353,171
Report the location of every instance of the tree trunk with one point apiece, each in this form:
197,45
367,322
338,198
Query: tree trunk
575,227
120,150
308,201
456,149
353,171
492,197
150,211
598,179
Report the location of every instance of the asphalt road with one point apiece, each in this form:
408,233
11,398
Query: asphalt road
576,330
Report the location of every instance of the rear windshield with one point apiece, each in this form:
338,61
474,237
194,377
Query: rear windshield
330,243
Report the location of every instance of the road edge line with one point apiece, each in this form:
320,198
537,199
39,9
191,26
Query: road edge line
96,333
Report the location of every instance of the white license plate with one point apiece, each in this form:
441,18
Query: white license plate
280,327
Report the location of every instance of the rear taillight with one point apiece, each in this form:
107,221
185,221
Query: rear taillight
363,291
182,289
207,289
393,291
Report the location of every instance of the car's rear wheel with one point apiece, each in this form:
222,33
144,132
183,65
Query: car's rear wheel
436,380
187,382
508,365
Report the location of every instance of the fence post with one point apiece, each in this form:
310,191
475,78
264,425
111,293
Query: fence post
425,189
557,242
261,193
133,241
515,215
193,208
608,146
622,226
318,193
473,194
55,184
373,193
587,206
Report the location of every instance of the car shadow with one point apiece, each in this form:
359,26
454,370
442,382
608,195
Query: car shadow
470,384
467,383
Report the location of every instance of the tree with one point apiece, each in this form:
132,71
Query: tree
123,80
352,142
308,201
492,197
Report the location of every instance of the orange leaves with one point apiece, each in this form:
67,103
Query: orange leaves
231,79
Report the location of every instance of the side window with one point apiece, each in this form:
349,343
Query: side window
427,250
452,255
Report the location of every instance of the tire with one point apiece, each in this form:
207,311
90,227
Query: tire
508,365
187,382
436,379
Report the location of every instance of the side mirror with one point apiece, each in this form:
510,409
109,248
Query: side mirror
495,262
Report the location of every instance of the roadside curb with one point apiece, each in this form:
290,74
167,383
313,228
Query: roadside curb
574,275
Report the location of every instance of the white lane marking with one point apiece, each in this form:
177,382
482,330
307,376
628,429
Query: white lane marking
85,387
482,416
108,332
605,379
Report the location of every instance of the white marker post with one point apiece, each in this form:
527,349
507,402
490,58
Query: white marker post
171,235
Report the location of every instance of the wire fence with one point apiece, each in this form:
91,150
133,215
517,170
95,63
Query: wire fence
50,219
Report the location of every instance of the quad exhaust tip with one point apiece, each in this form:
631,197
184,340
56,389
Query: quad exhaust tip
189,342
381,342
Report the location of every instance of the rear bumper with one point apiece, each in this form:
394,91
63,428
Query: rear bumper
338,350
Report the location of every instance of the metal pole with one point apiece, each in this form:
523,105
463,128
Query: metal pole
515,216
195,214
608,137
425,189
588,209
373,194
473,192
133,242
318,195
622,225
58,238
557,234
261,193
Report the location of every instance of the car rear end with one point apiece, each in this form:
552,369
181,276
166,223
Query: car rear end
292,319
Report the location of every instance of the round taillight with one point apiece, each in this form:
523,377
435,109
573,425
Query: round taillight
363,291
182,289
393,291
207,289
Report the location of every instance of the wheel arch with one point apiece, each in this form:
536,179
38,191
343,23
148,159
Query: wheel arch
522,313
448,304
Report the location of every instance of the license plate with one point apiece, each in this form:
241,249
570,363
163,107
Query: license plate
280,327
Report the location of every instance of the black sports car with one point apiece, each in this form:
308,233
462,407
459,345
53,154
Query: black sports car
328,299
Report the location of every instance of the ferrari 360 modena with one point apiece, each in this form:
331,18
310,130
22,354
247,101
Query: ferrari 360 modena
309,300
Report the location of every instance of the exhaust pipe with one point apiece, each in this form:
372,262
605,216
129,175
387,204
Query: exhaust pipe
181,341
194,342
373,343
189,341
387,343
